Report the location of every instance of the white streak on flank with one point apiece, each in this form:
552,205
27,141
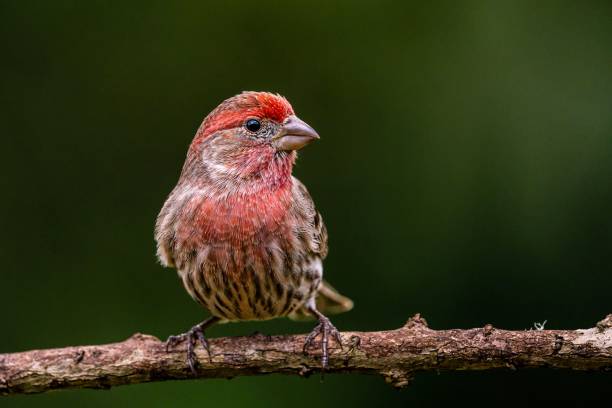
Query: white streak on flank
316,265
188,191
218,169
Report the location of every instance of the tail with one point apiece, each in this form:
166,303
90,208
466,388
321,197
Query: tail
329,301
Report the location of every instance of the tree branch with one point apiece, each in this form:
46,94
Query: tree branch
395,354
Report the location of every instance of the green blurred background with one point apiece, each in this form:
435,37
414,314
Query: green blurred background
463,172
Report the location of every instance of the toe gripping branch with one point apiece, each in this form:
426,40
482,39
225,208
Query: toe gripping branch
196,335
326,329
193,336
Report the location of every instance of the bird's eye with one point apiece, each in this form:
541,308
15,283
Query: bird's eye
252,125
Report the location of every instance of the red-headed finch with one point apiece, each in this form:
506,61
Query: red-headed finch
244,233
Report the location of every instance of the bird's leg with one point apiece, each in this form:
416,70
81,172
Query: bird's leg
193,335
325,328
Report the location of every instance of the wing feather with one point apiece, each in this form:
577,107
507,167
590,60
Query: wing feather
328,299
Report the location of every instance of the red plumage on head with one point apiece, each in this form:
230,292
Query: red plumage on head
234,111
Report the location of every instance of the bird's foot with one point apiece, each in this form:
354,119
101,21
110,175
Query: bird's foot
326,329
193,336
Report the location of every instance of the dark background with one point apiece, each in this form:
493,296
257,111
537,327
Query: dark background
463,172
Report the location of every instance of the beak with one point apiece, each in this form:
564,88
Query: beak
294,134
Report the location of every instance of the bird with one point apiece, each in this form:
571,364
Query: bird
242,232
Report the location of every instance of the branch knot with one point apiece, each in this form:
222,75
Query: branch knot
604,324
416,321
398,378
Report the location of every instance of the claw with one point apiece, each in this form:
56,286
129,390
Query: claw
311,337
325,328
193,335
174,340
202,339
336,334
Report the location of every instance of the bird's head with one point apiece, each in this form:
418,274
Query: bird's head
253,135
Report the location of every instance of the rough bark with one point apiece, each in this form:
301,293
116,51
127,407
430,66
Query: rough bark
395,354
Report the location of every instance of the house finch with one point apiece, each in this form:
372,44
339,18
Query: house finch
244,233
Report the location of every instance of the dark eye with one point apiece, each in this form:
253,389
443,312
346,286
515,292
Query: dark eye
253,125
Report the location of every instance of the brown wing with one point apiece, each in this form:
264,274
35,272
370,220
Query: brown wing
320,234
328,300
312,221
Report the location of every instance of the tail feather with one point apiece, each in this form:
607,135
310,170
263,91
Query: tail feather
328,300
